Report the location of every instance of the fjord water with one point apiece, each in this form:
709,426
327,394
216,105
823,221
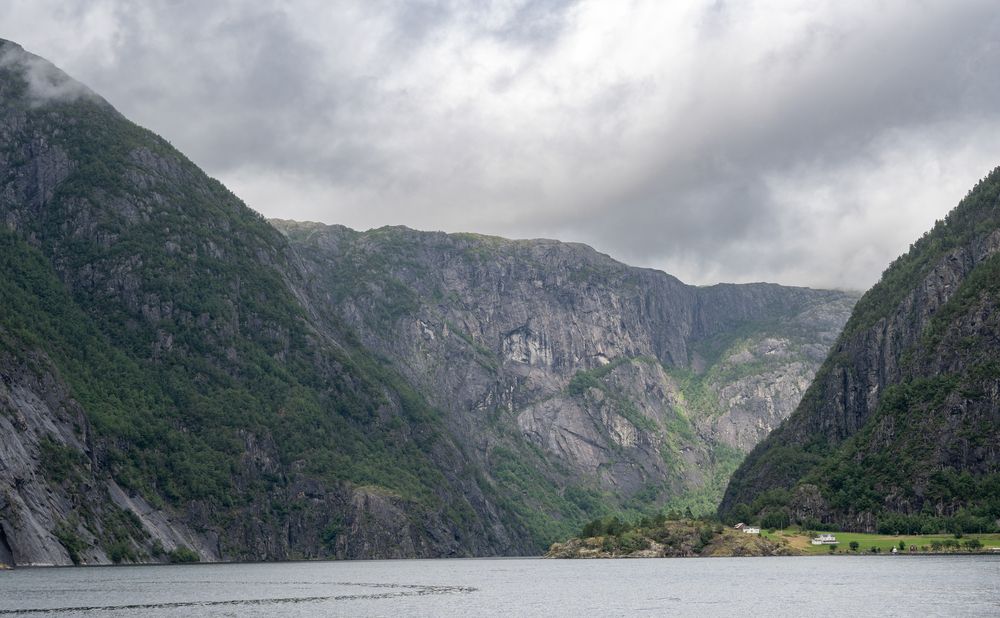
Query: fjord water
818,585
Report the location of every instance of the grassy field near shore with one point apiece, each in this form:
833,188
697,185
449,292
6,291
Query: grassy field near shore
923,543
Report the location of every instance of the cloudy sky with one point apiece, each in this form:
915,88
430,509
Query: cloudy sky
802,142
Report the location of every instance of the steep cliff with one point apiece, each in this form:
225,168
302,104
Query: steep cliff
901,428
619,387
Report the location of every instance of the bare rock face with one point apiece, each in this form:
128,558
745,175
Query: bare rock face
55,507
619,380
853,390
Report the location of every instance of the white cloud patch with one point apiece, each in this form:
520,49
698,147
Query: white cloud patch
45,82
797,142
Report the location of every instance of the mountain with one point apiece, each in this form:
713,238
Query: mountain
165,389
581,383
179,379
900,431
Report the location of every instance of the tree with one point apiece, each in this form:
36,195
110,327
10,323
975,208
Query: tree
616,526
705,536
854,545
775,519
740,513
902,546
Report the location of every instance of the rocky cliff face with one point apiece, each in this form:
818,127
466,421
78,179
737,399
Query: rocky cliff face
622,383
55,505
907,399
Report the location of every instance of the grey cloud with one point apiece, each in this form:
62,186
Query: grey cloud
705,194
724,142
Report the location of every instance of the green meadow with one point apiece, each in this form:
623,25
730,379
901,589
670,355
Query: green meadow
912,543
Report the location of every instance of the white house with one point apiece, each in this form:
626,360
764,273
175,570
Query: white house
825,539
751,530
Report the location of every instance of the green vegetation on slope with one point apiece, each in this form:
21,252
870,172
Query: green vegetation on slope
975,216
705,500
181,433
547,513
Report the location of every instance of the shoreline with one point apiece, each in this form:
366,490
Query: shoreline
868,554
696,538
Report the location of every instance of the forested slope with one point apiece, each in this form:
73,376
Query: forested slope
901,427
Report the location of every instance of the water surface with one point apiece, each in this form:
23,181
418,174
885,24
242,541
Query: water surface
817,585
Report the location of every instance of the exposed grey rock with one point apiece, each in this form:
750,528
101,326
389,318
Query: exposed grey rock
38,496
494,331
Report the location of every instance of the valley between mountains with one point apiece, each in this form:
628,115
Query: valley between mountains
182,379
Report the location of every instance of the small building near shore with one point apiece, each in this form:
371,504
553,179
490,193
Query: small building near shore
825,539
751,530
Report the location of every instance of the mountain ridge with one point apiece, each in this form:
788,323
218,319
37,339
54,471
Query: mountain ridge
286,225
